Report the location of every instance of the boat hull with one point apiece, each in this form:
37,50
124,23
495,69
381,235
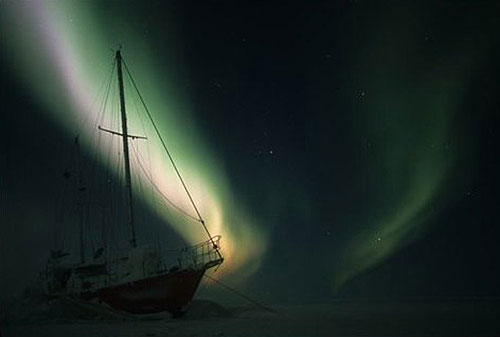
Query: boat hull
170,292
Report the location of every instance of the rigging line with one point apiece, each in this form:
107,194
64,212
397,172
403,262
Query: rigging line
62,195
69,193
134,99
163,143
102,107
111,144
205,282
171,159
105,103
100,151
239,293
58,207
121,201
154,189
100,117
131,95
217,268
138,183
139,155
160,192
93,189
151,180
92,106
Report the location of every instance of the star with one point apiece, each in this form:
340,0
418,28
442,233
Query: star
217,84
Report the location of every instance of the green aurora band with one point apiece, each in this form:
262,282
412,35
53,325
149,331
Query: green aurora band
62,50
415,146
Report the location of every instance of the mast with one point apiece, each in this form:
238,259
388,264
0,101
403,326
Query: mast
80,188
128,180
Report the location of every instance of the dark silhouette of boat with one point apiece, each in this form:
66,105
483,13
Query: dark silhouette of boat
141,279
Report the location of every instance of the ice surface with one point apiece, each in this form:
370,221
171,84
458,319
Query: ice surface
207,318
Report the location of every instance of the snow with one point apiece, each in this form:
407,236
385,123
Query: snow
207,318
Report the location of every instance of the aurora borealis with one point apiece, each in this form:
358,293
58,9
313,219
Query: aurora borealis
340,149
55,29
408,123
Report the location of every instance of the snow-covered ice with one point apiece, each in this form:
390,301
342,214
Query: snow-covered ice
207,318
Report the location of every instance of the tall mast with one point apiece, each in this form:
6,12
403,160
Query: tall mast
128,180
80,200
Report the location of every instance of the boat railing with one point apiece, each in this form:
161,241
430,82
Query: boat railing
204,254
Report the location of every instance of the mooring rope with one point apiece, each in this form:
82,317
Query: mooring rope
239,293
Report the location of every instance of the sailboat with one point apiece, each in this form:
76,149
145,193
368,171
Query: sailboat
142,279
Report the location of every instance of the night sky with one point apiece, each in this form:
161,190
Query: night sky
342,148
